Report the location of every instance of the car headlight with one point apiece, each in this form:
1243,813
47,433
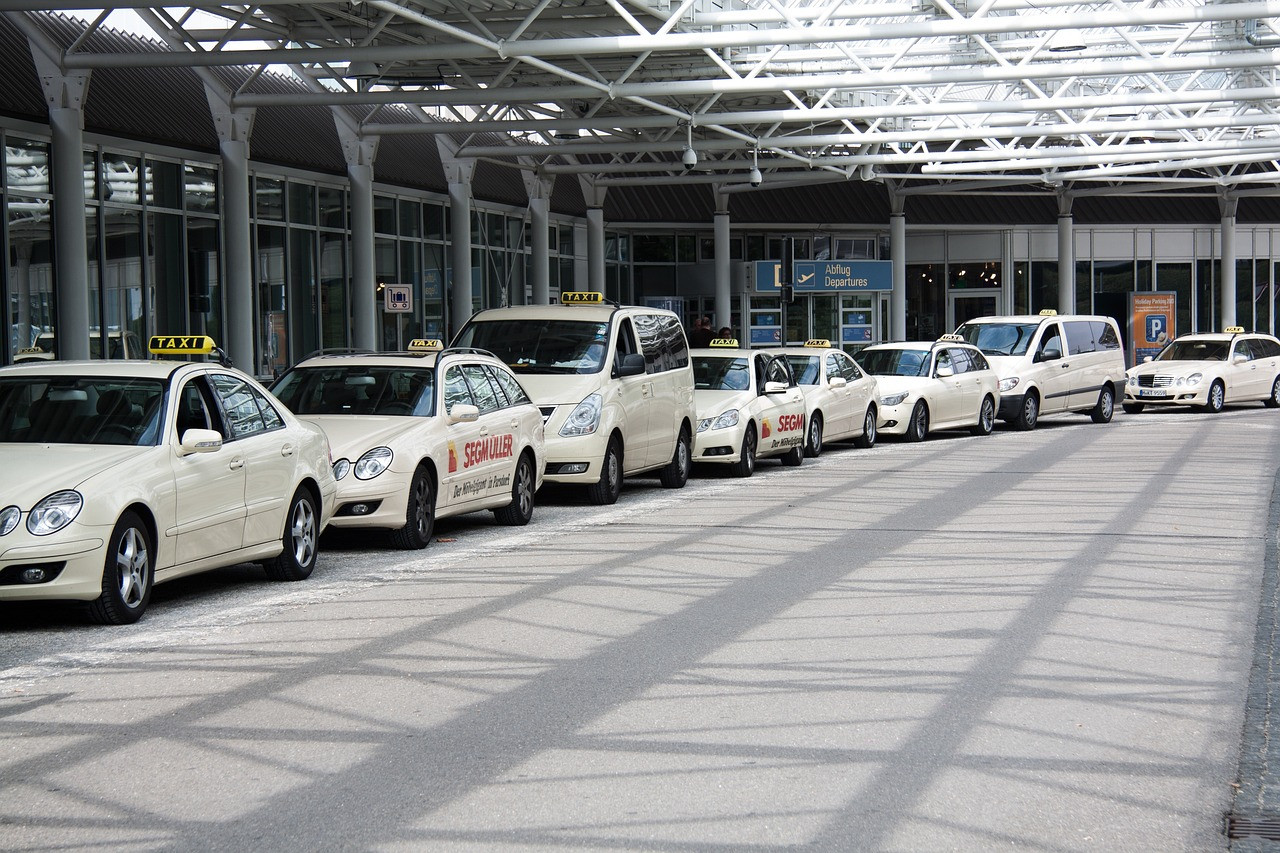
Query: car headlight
373,463
1009,384
720,421
1194,379
585,417
54,512
894,399
341,468
9,518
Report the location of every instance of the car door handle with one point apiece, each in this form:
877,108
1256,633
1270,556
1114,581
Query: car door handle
1065,365
515,423
484,430
286,450
236,464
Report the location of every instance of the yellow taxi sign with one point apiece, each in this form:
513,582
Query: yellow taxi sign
1234,330
29,351
425,345
180,345
959,338
1048,312
818,343
724,342
581,297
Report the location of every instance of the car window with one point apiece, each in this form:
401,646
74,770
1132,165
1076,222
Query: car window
772,369
482,389
1105,334
456,390
1052,340
848,367
1080,336
999,338
541,346
942,358
663,342
626,344
194,410
80,410
1184,349
510,386
1243,348
1270,348
893,361
721,373
977,361
807,369
244,406
833,366
959,359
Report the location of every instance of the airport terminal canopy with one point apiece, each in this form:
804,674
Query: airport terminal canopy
924,96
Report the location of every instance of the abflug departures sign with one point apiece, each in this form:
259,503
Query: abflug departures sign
826,276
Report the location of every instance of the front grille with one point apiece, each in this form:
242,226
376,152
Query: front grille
1154,380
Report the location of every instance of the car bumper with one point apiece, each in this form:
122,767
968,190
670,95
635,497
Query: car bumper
1175,397
577,459
720,446
74,566
895,419
1011,406
371,503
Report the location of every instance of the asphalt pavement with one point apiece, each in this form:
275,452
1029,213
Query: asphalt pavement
1027,641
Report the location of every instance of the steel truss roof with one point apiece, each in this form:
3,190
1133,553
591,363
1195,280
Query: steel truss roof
927,96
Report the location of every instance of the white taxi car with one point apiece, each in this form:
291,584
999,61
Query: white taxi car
1208,371
840,398
927,386
123,474
421,435
749,407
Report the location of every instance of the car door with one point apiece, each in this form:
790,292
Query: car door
948,396
494,457
1055,375
781,415
970,382
845,411
461,482
634,394
270,452
1084,366
1247,380
209,487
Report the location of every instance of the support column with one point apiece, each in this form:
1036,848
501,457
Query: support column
460,292
1227,306
898,255
364,283
237,332
595,249
539,188
70,241
724,289
1066,256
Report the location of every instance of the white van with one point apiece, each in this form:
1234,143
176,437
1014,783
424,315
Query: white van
1049,364
614,383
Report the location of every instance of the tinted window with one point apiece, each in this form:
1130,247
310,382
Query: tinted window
999,338
510,387
1242,349
1080,336
483,390
977,361
541,346
960,360
1052,340
242,404
1105,334
663,342
355,389
847,367
807,369
456,390
891,361
1270,348
80,410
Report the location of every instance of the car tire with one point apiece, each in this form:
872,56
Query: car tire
301,534
606,490
1029,414
419,513
868,437
918,426
1216,399
676,472
128,573
519,512
813,437
793,457
1133,408
986,417
1105,407
1273,401
746,464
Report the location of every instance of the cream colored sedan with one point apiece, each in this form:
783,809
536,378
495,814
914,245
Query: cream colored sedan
122,474
422,435
927,386
1208,371
749,407
840,398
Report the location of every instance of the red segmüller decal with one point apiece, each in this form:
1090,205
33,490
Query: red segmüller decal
495,447
790,423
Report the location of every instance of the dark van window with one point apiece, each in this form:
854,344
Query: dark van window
1105,334
1080,336
663,342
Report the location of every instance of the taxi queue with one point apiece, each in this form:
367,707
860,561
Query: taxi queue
125,474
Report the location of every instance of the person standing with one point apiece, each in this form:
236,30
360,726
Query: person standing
701,334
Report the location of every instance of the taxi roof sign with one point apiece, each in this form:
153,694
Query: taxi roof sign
581,297
959,338
180,345
724,342
818,343
1234,330
425,345
1048,312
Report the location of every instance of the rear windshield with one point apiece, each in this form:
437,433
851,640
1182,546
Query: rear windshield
80,410
1195,351
894,362
541,346
351,389
999,338
720,373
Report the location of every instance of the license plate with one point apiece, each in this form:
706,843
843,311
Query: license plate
1146,392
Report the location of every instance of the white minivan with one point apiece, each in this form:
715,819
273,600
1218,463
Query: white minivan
614,383
1050,363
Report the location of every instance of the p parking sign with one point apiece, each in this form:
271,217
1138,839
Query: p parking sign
398,298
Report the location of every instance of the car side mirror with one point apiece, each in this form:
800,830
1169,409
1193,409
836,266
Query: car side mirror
837,382
632,365
463,413
775,387
199,441
1239,359
1146,358
944,372
1049,354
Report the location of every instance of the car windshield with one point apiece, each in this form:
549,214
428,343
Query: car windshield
541,346
999,338
891,361
80,410
807,368
357,389
1192,350
721,373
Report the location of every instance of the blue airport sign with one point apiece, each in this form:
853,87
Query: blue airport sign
826,276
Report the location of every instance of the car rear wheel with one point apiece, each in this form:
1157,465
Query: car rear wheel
1216,399
1105,407
519,512
1273,401
794,456
918,426
986,417
127,574
301,533
868,437
813,438
746,464
419,513
676,472
1133,408
607,489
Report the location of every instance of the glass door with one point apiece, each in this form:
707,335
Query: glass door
964,305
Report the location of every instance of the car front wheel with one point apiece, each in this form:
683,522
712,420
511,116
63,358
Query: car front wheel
127,574
1216,399
918,426
676,472
746,464
609,487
